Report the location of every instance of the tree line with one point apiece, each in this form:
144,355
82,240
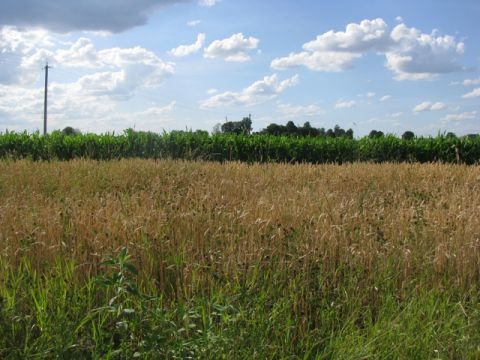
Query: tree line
290,129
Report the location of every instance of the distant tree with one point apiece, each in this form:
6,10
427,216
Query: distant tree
451,135
408,135
376,134
330,133
308,130
291,128
70,131
273,129
238,127
349,134
338,131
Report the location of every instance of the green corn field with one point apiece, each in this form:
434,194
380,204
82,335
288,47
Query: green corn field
246,148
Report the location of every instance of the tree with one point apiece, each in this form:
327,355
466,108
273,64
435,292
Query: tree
338,131
238,127
273,129
291,128
70,131
451,135
349,134
408,135
376,134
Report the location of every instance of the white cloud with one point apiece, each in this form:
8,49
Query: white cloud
471,82
438,106
370,95
234,48
299,110
207,3
71,105
23,53
345,104
427,105
385,98
212,91
460,117
193,23
260,91
472,94
82,53
327,61
120,70
424,106
357,38
336,51
410,54
185,50
399,19
414,55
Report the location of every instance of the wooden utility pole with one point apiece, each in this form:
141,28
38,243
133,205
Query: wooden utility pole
45,100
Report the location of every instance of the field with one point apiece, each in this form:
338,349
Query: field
207,260
187,145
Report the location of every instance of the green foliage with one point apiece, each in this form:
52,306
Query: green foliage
376,134
56,316
337,146
238,127
290,129
408,135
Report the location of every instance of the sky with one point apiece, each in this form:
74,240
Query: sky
158,65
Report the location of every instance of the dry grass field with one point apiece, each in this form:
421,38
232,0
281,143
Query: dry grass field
244,261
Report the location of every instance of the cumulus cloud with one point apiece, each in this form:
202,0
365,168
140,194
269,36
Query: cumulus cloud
385,98
345,104
472,94
327,61
67,16
299,110
370,94
82,53
185,50
414,55
260,91
460,117
410,54
108,76
118,70
427,105
357,38
234,48
70,104
336,51
24,52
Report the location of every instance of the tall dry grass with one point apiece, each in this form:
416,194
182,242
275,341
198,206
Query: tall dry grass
192,224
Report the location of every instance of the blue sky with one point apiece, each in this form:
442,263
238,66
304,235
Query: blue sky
176,64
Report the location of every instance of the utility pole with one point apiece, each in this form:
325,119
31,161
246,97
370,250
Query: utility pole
45,100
